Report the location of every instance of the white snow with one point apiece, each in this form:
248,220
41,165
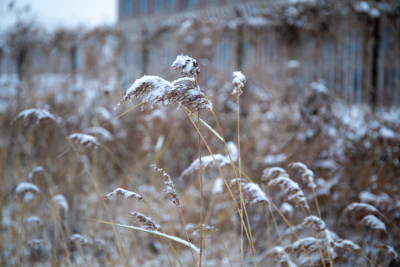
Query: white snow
274,159
85,140
124,193
61,202
238,81
26,187
36,114
257,194
374,223
218,186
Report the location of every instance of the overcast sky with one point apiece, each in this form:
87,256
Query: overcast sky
56,13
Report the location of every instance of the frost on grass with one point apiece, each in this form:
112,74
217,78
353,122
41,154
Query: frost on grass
306,174
238,82
84,140
35,116
278,177
171,190
25,187
373,223
124,193
145,221
252,192
186,65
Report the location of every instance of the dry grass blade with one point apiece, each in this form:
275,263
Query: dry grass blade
147,222
174,238
124,193
171,190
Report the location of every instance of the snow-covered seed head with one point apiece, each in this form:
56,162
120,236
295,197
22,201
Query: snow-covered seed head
252,192
145,221
358,211
307,175
187,65
24,187
84,140
35,116
61,203
372,222
124,193
278,177
155,90
238,82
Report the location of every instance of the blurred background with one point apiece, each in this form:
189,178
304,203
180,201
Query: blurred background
323,88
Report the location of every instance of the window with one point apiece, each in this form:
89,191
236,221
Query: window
159,5
127,7
143,7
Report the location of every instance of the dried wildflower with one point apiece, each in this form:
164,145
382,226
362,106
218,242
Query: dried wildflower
124,193
252,193
24,187
85,140
279,177
147,222
35,116
187,65
171,190
238,82
373,223
306,174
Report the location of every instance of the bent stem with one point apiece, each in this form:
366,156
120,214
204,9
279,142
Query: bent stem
201,190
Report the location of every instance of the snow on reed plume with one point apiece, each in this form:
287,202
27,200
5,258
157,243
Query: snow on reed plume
208,162
62,205
100,132
278,255
25,187
36,170
35,116
80,239
252,192
389,250
278,177
372,222
84,140
218,186
357,211
171,190
238,82
307,175
182,92
124,193
187,65
145,221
